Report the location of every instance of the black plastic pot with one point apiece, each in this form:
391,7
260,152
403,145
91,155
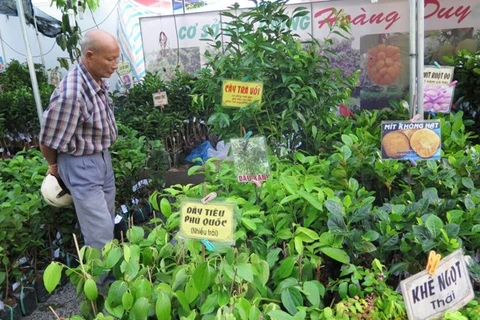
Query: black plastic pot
40,291
10,310
27,299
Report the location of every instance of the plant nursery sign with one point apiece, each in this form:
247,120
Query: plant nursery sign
212,221
160,99
406,140
240,93
250,159
438,88
448,289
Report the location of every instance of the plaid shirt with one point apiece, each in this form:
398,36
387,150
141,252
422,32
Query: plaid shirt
79,119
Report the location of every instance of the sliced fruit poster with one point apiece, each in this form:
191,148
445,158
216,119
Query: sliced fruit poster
405,140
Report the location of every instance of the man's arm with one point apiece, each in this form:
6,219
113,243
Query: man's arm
50,155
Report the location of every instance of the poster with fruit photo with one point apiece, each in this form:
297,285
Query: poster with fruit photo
406,140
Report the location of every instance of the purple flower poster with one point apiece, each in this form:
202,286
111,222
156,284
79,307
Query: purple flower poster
438,88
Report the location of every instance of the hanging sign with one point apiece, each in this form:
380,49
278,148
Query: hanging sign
411,140
241,94
448,289
250,159
438,88
212,221
124,71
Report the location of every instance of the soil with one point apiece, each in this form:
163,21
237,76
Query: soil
63,301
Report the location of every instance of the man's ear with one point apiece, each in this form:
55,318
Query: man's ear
89,54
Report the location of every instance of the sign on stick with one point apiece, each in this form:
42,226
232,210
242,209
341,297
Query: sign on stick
448,289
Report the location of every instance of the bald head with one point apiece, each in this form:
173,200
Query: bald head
95,40
100,53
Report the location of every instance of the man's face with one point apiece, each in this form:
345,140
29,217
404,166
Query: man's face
103,63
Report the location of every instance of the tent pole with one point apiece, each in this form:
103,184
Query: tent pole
413,57
31,67
420,54
3,49
42,58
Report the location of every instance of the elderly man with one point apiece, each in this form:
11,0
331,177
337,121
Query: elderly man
77,129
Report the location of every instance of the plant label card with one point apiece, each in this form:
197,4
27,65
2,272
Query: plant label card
240,94
406,140
438,88
160,99
212,221
250,159
448,289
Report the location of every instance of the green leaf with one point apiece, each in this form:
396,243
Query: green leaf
262,271
286,267
52,275
422,233
347,140
115,293
210,304
183,300
346,152
434,224
313,292
201,277
165,207
336,254
127,301
334,207
336,224
245,271
306,235
140,309
279,315
468,183
249,224
90,289
291,299
311,199
343,290
113,256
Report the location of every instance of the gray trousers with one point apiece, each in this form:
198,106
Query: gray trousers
91,182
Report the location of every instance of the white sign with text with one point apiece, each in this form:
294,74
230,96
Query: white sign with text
448,289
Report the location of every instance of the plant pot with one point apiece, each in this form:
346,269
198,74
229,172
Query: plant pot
40,291
27,299
10,309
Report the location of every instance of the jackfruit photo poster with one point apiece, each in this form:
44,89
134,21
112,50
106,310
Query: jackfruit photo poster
250,159
406,140
385,75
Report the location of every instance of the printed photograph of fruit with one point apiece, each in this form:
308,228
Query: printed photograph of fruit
437,98
411,141
384,64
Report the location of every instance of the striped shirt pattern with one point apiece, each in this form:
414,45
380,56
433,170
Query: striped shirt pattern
79,119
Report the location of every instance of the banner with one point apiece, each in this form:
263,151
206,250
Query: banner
378,45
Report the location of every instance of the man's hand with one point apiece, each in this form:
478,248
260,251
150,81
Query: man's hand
52,169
